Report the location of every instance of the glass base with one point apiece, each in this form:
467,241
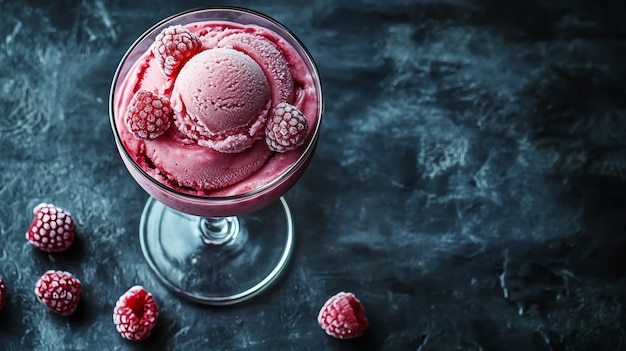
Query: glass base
217,261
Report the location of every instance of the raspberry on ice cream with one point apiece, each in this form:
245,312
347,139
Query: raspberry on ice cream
286,128
173,46
135,314
60,291
343,316
148,115
52,229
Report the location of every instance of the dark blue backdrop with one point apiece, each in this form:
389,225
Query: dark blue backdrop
469,185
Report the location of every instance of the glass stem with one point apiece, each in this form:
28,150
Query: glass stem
218,230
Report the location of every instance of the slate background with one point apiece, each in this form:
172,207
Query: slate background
469,185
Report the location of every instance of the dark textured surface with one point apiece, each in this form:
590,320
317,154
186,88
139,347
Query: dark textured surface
469,186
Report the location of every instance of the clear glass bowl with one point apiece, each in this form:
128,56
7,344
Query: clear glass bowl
216,249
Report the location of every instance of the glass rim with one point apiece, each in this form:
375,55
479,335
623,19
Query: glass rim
276,181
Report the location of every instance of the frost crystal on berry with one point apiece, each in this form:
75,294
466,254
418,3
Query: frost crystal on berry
173,46
135,314
148,115
60,291
52,229
286,128
343,316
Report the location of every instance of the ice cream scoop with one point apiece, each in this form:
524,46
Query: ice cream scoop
271,60
220,99
198,167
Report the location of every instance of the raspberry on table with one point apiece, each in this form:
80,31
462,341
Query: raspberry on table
343,316
148,115
3,293
52,229
173,46
60,291
135,314
286,128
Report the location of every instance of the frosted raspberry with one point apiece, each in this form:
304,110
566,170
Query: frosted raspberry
60,291
173,46
148,115
343,317
286,128
52,229
135,314
3,293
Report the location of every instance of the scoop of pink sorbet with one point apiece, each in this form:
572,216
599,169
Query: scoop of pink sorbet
220,98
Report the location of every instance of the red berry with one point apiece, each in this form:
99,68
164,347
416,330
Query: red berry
148,115
173,46
286,128
343,317
60,291
135,314
3,293
52,229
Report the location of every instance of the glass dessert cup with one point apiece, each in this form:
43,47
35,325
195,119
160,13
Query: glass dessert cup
216,250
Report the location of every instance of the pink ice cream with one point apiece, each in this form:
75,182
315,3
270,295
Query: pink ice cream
223,97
